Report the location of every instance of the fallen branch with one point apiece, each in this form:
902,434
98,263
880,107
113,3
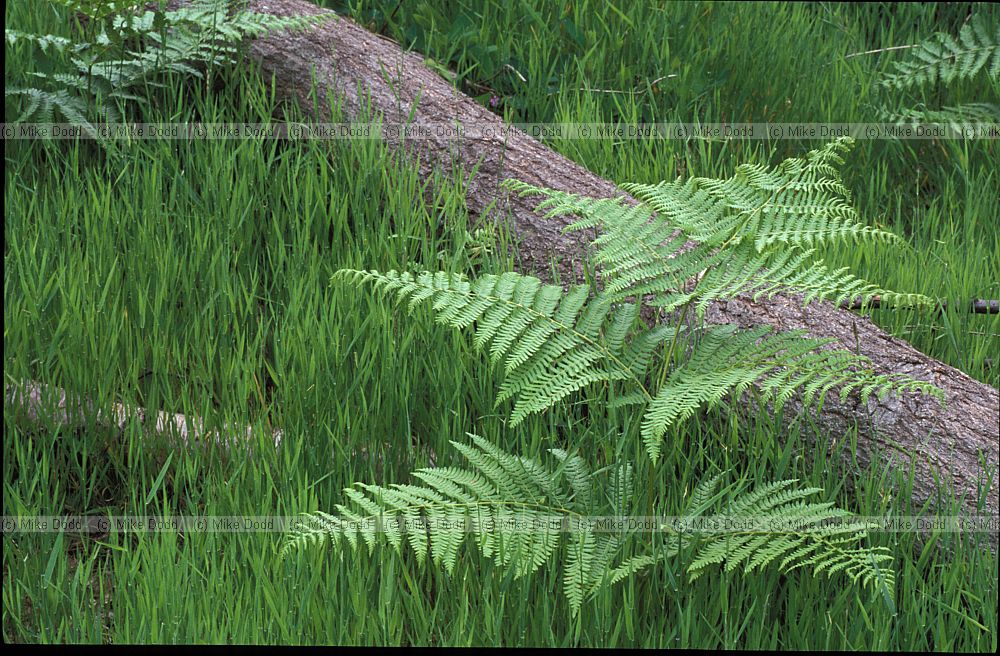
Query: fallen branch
40,403
977,306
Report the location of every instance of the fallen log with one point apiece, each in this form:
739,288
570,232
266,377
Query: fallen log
955,445
976,306
38,403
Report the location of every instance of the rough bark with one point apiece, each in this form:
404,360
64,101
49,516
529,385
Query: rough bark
956,444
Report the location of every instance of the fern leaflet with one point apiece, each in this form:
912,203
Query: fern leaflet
550,343
944,58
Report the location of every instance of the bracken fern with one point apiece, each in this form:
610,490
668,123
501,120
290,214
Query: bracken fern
132,50
944,59
553,342
520,513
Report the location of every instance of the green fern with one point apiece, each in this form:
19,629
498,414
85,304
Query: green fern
134,50
506,505
945,59
725,361
42,107
45,42
755,233
520,513
683,245
959,118
794,534
963,119
550,343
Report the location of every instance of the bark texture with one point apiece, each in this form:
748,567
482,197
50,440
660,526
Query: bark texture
957,444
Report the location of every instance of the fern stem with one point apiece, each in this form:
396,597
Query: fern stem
670,351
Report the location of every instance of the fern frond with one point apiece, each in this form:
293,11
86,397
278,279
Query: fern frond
801,202
44,42
202,34
551,343
959,118
41,107
577,473
511,499
514,511
743,270
702,496
944,58
727,361
755,234
620,488
787,530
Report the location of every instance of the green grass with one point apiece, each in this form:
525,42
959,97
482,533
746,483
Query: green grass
194,277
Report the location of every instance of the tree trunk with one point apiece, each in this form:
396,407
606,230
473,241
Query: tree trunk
957,444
